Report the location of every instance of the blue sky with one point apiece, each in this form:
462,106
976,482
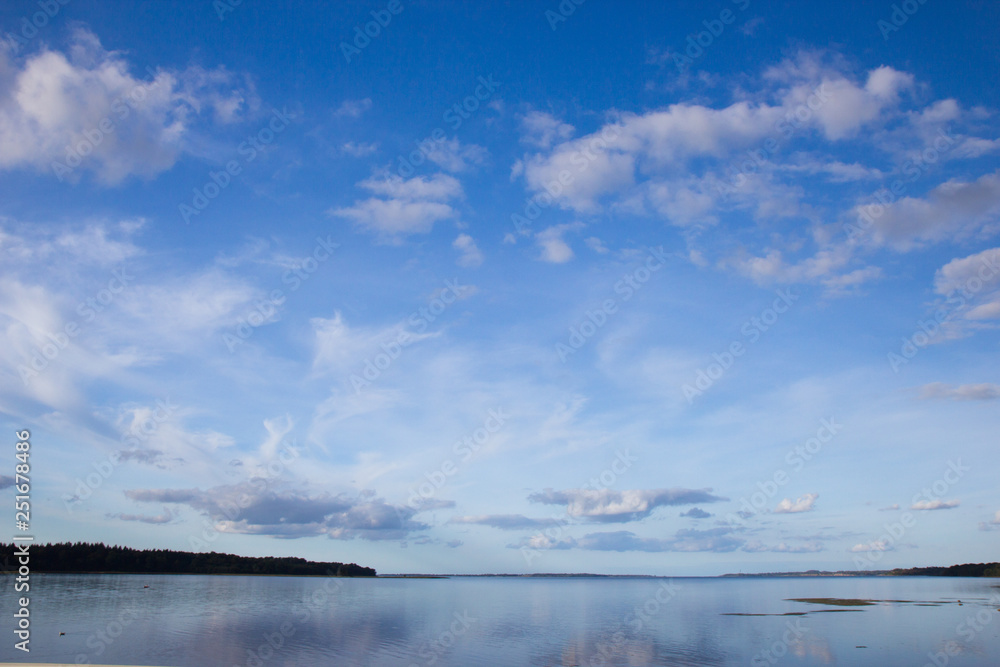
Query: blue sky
664,288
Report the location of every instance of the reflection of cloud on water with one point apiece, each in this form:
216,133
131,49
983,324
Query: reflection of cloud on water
613,648
814,647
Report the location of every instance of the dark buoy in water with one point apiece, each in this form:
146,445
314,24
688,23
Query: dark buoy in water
61,634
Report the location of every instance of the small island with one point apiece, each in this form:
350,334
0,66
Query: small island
90,558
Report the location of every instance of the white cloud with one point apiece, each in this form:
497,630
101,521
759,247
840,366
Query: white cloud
935,505
992,524
505,521
411,206
957,274
439,187
393,218
156,435
87,110
716,540
877,545
359,149
588,171
452,156
166,517
975,282
338,346
825,266
353,108
846,106
682,204
596,245
277,429
836,171
197,303
803,504
755,546
343,349
542,129
955,208
662,143
962,392
607,505
554,248
470,256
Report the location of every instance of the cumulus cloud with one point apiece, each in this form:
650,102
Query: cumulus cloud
975,280
606,505
470,255
803,504
957,274
935,505
696,513
963,392
254,508
954,208
404,206
664,141
86,111
843,106
553,248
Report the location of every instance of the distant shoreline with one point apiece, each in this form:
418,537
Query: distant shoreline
965,570
84,558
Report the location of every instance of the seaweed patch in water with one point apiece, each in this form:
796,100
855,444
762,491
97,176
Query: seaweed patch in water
838,602
741,613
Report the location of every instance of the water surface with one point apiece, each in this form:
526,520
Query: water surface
202,621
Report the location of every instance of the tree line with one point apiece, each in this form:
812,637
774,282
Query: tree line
85,557
964,570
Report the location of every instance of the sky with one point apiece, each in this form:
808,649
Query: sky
669,288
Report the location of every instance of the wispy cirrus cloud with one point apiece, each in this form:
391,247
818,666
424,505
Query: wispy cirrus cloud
505,521
719,540
964,392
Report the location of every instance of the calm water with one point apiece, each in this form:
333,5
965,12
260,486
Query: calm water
200,621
